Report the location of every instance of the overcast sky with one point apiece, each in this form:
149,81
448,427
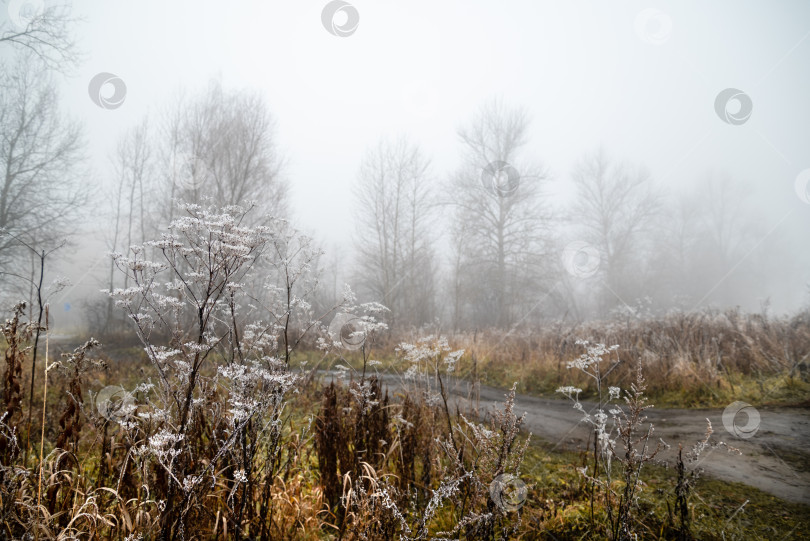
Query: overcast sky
639,78
583,70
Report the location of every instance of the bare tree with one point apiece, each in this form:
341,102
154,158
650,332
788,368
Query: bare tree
132,165
459,238
728,233
328,265
222,144
677,236
615,205
394,197
702,237
41,32
724,219
218,146
501,225
41,163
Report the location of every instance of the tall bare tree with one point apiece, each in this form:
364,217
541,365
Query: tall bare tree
394,195
501,224
42,186
729,234
133,163
614,207
222,144
677,236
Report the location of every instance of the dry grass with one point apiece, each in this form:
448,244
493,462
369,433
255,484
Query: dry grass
93,500
690,359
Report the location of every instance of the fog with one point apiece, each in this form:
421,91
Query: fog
636,83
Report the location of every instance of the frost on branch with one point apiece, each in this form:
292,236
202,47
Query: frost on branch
220,307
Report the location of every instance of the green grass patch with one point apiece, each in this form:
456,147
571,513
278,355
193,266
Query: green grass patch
559,505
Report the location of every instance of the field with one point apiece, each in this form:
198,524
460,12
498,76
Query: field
348,456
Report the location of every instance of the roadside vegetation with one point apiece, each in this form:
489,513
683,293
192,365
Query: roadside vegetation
218,425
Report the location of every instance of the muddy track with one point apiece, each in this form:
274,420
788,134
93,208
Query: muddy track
776,459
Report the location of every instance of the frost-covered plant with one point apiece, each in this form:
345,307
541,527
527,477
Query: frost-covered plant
17,334
636,450
466,499
354,328
74,366
219,307
626,441
12,477
291,283
688,472
590,363
478,456
436,475
493,454
426,360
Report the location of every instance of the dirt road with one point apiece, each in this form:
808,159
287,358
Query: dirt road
776,459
